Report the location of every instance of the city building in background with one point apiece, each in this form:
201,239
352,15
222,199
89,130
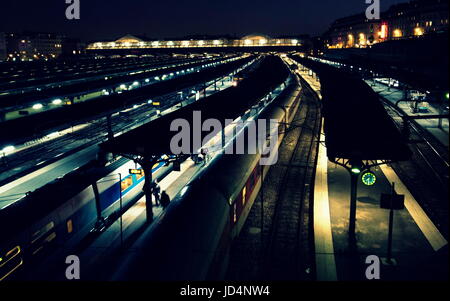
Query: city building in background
33,46
257,40
402,21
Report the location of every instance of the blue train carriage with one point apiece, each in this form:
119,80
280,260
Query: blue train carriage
42,222
55,223
53,218
122,189
118,184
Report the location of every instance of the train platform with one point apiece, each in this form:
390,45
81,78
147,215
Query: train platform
416,240
418,248
432,125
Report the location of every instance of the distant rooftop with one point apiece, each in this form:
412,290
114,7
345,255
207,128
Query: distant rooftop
254,40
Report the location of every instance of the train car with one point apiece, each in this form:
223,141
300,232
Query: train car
53,220
192,239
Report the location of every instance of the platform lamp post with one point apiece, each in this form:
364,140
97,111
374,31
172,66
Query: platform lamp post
147,167
355,169
121,212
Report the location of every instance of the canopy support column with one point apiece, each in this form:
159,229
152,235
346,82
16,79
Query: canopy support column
148,189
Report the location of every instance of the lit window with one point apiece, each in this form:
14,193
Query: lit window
244,192
397,33
69,226
418,31
351,40
362,39
126,183
139,176
384,31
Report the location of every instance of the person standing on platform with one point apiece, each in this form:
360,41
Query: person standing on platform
165,199
204,153
156,190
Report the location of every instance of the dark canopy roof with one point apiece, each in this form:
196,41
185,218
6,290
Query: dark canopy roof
356,124
16,130
153,139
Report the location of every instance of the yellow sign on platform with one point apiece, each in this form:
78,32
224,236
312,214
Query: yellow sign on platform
136,171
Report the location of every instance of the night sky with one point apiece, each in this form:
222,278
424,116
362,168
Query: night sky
110,19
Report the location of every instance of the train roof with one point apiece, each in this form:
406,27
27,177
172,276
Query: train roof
153,139
94,84
44,200
49,121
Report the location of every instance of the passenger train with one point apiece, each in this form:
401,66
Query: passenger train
57,217
192,239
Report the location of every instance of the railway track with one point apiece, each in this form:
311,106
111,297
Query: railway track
287,245
432,154
426,173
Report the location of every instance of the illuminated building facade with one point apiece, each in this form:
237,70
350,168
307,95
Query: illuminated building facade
33,46
417,18
133,42
402,21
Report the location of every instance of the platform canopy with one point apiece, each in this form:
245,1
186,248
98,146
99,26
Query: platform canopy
153,138
356,123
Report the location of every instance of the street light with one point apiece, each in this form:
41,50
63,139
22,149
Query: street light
8,149
356,166
57,101
37,106
356,170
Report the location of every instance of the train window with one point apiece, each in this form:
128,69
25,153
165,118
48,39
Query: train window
10,262
51,237
244,192
69,226
138,176
39,234
127,182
